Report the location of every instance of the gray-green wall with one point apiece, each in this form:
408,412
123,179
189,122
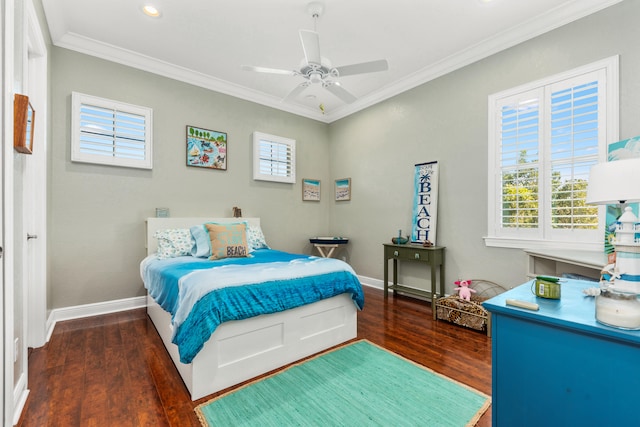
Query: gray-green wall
97,212
446,120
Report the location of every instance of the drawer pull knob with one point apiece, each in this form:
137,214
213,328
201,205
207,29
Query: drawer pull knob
395,253
417,256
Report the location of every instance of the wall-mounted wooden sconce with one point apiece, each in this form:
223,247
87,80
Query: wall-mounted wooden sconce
23,120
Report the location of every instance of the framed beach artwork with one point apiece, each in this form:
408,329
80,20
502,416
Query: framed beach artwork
206,148
311,190
343,189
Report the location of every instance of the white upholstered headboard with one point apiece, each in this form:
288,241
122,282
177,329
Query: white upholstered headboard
155,224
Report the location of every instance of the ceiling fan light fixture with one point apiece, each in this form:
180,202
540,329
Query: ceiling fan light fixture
315,78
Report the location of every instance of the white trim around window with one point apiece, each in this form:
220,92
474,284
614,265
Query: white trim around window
110,132
274,158
547,145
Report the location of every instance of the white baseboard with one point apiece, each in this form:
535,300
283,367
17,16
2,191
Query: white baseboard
371,282
20,394
379,284
88,310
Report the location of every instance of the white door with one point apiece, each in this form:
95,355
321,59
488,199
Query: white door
6,212
35,189
6,327
3,402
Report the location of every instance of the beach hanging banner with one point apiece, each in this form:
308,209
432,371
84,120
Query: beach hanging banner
425,203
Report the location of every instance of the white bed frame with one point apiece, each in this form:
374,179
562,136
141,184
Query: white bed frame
243,349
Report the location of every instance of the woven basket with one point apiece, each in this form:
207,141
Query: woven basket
470,314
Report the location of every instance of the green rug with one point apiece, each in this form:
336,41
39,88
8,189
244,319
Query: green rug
359,384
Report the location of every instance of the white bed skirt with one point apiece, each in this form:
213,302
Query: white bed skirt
243,349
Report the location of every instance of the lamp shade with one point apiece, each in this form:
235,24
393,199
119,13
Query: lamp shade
614,182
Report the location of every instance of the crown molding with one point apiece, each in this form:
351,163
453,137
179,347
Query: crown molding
108,52
541,24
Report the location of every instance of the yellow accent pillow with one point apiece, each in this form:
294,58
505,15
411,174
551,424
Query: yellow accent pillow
228,240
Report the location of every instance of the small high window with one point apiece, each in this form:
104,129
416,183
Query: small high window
274,158
110,132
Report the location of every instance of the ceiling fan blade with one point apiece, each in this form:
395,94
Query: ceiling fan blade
268,70
340,92
311,46
296,91
363,67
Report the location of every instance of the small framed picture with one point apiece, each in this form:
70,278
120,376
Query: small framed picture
206,148
311,190
343,189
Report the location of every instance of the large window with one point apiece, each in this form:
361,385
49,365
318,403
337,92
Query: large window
543,139
274,158
110,132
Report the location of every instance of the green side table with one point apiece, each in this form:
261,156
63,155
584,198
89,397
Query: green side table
433,256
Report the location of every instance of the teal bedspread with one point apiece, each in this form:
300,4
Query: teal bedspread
201,294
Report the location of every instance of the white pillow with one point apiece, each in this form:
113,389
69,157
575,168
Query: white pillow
173,242
255,238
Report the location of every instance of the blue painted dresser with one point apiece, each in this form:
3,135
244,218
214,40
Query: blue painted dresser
558,366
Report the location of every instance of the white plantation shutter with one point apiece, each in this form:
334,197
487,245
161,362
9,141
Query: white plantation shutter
111,133
519,160
544,138
574,137
273,158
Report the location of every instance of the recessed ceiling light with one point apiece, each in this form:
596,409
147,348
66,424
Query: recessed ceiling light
151,11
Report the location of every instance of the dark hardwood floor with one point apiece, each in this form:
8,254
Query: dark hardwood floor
113,370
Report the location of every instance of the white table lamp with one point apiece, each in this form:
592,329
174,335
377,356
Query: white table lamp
617,182
614,182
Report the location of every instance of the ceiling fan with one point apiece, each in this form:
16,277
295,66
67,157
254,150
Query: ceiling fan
316,69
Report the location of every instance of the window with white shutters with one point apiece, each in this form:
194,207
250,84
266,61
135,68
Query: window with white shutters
274,158
544,138
574,148
110,132
519,161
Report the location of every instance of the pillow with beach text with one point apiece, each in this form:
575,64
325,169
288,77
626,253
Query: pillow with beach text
228,240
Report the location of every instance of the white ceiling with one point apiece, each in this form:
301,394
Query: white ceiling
206,42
